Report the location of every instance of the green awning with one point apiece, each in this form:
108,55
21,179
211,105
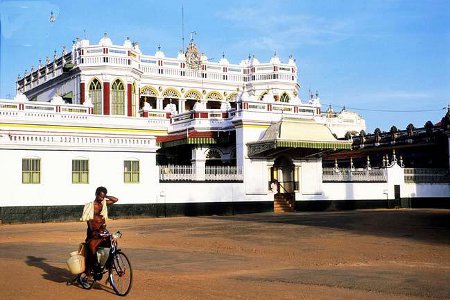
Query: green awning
189,141
313,144
294,133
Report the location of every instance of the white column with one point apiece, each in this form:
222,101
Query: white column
159,103
181,103
198,162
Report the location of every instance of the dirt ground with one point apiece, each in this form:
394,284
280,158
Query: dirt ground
367,254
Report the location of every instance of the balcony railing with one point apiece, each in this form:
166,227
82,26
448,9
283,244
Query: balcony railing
359,175
426,175
183,173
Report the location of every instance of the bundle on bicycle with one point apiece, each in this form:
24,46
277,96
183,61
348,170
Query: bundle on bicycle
110,260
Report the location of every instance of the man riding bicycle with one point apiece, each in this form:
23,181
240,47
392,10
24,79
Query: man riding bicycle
95,214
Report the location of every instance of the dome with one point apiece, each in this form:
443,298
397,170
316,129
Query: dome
159,53
181,55
255,61
84,43
105,40
204,57
136,47
20,97
127,43
291,61
224,61
275,59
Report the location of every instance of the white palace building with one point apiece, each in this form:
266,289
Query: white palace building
176,136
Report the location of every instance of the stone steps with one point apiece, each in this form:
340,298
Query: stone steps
283,203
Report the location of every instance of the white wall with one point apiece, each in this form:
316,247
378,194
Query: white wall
191,192
56,188
412,190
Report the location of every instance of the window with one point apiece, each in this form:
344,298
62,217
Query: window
31,170
118,98
95,93
80,171
131,171
284,98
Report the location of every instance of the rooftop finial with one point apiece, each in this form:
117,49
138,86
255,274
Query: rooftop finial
192,35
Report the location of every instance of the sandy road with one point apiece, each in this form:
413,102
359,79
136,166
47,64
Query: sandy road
371,254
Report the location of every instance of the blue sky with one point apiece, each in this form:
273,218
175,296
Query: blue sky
388,60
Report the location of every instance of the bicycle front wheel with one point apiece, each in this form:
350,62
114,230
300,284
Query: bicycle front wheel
120,274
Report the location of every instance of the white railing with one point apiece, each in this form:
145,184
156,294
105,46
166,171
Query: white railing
208,173
279,107
426,175
223,173
360,175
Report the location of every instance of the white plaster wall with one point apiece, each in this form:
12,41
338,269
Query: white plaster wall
256,177
199,192
56,188
367,191
353,191
310,172
413,190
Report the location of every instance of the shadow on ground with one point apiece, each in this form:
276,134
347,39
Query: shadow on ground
62,275
431,226
52,273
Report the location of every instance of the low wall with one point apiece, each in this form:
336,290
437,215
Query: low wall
42,214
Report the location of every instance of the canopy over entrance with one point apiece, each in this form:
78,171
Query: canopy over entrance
300,138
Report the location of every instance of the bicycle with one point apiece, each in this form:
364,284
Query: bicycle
117,265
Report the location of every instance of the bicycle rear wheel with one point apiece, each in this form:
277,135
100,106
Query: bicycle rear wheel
121,274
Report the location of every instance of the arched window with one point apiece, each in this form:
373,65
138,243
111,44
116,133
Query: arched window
213,154
284,98
134,100
117,98
95,93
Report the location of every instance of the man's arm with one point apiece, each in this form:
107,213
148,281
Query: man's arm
111,199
